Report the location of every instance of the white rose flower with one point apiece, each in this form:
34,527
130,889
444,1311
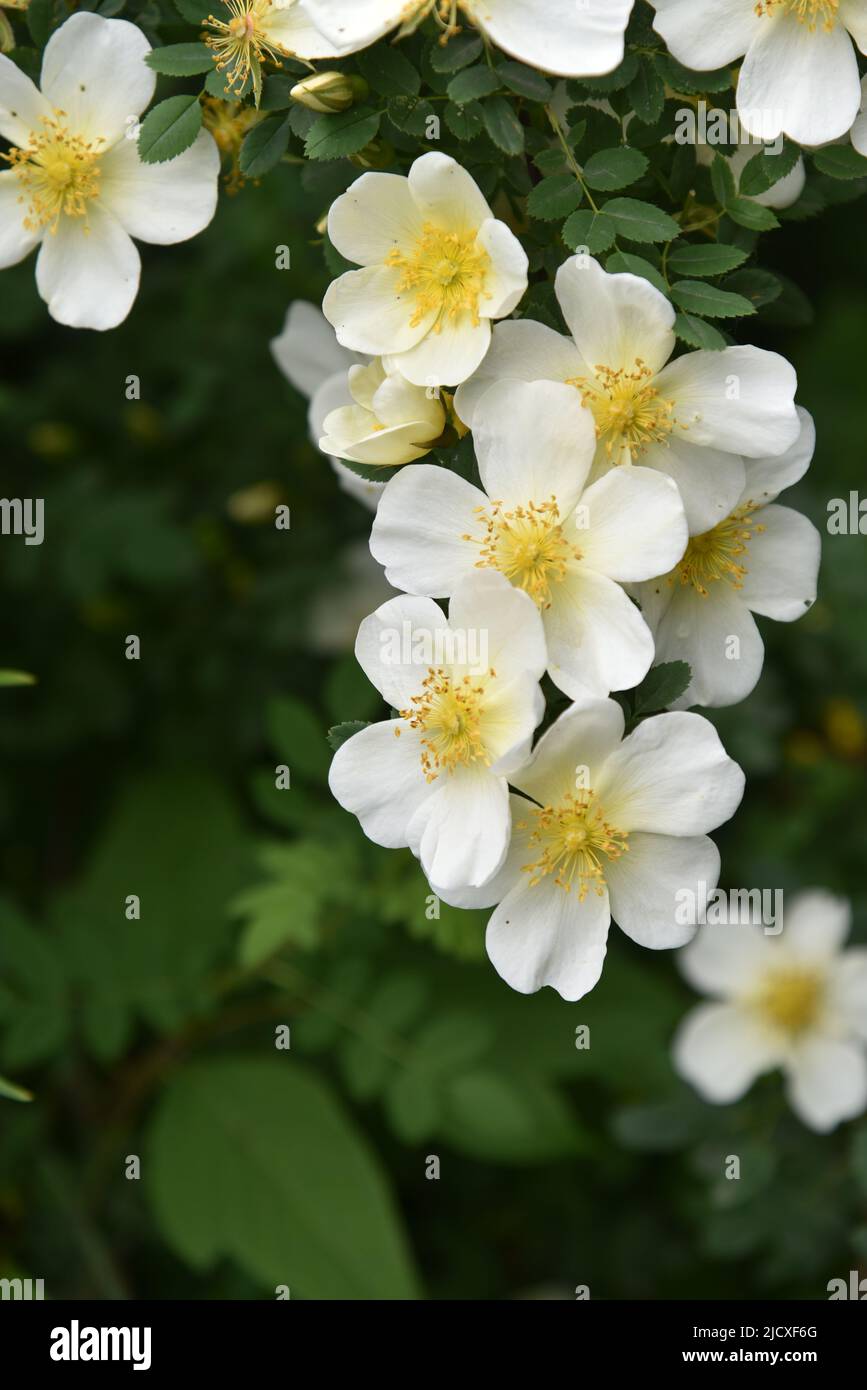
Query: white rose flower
800,71
691,418
568,547
437,267
573,38
468,698
611,828
793,1001
262,30
390,421
312,360
761,559
77,188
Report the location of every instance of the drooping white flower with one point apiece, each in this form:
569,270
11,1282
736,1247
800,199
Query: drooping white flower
573,38
604,829
569,547
858,132
793,1000
437,267
257,31
761,559
468,698
799,75
312,360
691,418
390,421
76,187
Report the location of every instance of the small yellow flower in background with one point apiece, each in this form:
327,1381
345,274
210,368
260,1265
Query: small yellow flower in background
844,728
229,122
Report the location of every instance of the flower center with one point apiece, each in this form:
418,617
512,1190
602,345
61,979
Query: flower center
791,999
573,841
809,12
716,554
446,273
628,410
527,545
240,43
58,173
449,713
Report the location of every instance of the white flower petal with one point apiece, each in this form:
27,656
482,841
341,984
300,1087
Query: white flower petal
848,992
637,527
379,778
710,482
369,315
740,400
88,275
815,925
94,70
783,565
597,639
418,533
506,280
645,883
799,79
375,216
706,34
721,1049
533,441
330,396
671,776
583,736
308,353
854,16
725,960
384,648
354,24
521,350
507,876
379,447
827,1082
559,36
446,194
715,634
616,320
766,478
461,831
22,106
162,203
16,241
506,619
544,936
289,25
449,353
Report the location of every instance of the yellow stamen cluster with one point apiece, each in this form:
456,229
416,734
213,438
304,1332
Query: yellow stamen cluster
715,554
449,713
809,12
58,173
241,43
628,410
573,841
229,122
791,999
444,12
446,273
527,545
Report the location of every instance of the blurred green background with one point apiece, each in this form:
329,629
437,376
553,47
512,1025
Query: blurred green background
308,1167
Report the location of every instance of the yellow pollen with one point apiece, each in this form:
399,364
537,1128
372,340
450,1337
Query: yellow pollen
449,712
58,173
527,545
628,410
809,12
229,122
573,842
446,273
791,998
241,43
715,554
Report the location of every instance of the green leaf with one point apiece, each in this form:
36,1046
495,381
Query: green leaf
35,999
859,1157
751,215
661,686
410,114
294,1194
10,1091
285,907
638,221
181,59
760,287
43,17
464,122
458,53
276,94
723,180
840,162
594,230
196,11
169,129
339,733
608,170
388,71
554,197
491,1115
646,93
475,82
525,82
342,133
709,259
613,81
216,86
502,124
264,146
620,263
697,297
698,334
683,79
297,736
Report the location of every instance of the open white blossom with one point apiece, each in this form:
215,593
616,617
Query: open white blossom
76,187
605,828
467,692
794,1001
437,267
691,418
761,559
799,74
569,547
250,32
312,360
573,38
390,421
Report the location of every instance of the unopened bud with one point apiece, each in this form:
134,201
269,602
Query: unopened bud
329,91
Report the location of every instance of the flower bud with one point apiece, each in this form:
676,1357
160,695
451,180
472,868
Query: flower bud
329,91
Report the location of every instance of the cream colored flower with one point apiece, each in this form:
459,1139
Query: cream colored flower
390,421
